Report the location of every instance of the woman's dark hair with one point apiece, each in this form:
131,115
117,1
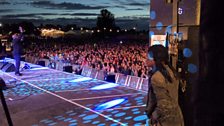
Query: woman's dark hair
160,55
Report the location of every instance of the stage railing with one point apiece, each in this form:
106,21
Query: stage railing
134,82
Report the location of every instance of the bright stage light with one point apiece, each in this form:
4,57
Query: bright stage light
110,104
39,68
104,86
80,79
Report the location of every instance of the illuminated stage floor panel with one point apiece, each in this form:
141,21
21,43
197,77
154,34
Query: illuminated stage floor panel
47,97
35,110
94,94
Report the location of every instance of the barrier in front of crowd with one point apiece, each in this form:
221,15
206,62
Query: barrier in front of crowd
134,82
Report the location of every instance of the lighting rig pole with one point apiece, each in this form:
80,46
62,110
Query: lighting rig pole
3,87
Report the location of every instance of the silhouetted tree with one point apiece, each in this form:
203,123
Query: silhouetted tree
105,20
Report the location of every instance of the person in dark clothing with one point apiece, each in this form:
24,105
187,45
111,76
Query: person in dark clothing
17,39
162,105
1,50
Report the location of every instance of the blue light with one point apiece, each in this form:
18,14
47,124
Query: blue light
159,26
80,79
102,124
140,118
73,124
127,118
192,68
138,124
120,114
169,29
89,117
151,33
82,115
113,112
129,104
152,15
61,118
68,119
114,124
72,114
104,86
135,109
68,112
40,68
95,122
110,104
7,60
87,121
187,52
139,98
137,112
150,56
72,121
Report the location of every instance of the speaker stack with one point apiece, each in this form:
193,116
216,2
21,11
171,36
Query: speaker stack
110,78
7,67
41,63
68,69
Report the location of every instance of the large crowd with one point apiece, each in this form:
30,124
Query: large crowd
113,57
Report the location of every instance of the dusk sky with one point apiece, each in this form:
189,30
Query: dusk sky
128,13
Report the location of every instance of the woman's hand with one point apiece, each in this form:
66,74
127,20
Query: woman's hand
156,124
149,63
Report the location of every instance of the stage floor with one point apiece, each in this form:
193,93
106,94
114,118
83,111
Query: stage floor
47,97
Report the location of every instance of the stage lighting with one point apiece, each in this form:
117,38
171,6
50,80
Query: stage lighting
110,104
5,107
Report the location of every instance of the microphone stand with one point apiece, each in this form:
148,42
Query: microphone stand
2,87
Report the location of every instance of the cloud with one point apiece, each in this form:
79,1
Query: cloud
82,14
64,5
47,14
4,2
21,16
118,6
137,4
135,9
13,2
42,15
131,3
6,10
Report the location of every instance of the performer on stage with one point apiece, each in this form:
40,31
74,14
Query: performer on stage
18,38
